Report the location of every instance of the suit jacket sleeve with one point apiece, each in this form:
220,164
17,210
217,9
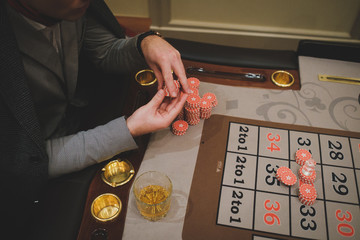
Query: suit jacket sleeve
109,53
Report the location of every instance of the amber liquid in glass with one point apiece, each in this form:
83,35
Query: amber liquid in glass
154,202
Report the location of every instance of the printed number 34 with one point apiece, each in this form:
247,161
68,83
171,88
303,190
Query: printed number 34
273,146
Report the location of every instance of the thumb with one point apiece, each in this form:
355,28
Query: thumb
157,99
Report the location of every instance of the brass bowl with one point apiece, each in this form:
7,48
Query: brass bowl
117,173
145,77
106,207
282,78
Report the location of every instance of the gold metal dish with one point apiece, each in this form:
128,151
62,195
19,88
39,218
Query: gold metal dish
106,207
145,77
117,173
282,78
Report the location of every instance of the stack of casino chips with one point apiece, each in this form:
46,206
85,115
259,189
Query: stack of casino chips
179,127
193,82
193,101
205,108
307,173
194,91
196,107
307,176
286,176
210,97
181,115
307,194
192,109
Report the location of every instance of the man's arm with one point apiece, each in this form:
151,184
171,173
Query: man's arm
75,152
111,54
118,55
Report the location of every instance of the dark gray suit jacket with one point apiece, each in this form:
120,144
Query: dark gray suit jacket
23,158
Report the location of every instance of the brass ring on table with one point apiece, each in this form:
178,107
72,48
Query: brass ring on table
145,77
106,207
282,78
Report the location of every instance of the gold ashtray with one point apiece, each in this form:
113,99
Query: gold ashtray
117,173
106,207
282,78
145,77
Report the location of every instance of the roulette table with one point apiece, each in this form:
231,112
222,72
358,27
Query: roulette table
216,197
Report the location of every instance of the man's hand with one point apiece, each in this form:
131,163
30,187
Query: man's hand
155,115
163,58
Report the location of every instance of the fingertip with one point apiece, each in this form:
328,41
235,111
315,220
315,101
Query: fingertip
161,92
184,85
184,96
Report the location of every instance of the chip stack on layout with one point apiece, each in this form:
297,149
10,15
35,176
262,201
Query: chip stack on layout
194,91
192,109
196,107
307,173
205,108
211,97
193,82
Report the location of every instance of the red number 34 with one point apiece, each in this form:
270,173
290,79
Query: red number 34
273,146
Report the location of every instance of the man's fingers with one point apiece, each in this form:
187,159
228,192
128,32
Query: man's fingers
159,77
157,100
175,107
180,73
169,81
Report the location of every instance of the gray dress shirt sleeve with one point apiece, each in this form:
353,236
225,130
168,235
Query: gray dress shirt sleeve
75,152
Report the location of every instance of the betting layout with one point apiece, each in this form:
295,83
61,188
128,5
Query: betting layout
251,197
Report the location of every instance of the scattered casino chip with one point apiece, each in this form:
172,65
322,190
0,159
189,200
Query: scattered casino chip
177,84
301,156
286,176
307,191
289,179
179,127
307,194
281,171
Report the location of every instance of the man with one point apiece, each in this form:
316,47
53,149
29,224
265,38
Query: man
41,42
